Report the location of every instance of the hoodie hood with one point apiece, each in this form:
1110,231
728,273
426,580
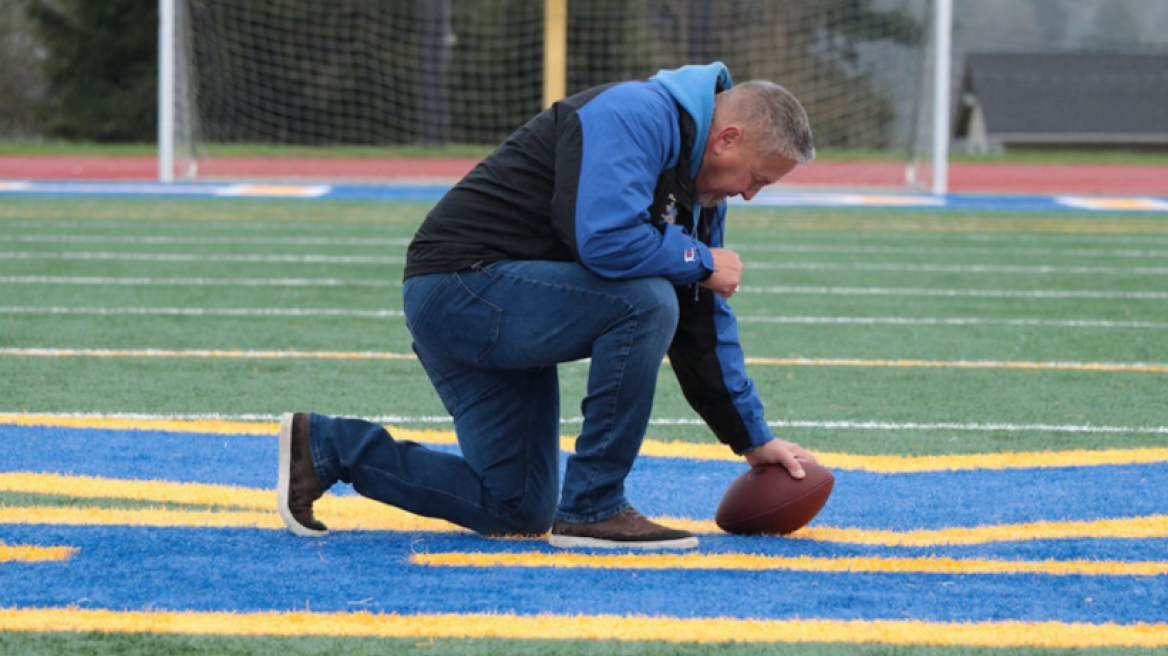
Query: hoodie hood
693,87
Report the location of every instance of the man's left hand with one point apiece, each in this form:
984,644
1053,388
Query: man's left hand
783,453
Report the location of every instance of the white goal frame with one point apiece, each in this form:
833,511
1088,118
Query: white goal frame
942,28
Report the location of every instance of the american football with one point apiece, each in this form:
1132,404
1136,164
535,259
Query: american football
767,500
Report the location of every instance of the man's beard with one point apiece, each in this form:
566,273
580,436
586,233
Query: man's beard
708,201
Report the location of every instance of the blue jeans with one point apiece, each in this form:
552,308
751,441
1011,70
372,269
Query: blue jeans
490,340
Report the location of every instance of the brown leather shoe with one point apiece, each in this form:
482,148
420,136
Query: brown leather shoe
297,486
629,529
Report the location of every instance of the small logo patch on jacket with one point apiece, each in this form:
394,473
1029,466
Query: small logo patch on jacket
669,214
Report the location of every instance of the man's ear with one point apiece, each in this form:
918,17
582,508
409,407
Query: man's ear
727,137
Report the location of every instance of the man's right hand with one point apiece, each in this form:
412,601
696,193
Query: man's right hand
727,273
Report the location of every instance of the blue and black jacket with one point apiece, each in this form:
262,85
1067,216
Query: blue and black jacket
605,178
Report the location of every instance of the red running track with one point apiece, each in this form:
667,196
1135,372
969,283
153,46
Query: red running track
1083,179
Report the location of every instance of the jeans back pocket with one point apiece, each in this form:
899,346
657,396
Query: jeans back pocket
449,319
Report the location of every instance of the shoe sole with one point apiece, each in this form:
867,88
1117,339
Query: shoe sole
284,481
568,542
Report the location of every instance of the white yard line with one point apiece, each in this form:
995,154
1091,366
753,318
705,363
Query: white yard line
748,289
209,312
102,281
742,248
956,322
947,252
661,421
324,258
941,322
209,241
251,258
968,269
956,293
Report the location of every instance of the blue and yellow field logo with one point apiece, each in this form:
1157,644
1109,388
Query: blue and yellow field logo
170,527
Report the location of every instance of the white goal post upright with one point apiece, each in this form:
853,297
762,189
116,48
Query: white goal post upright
167,34
942,73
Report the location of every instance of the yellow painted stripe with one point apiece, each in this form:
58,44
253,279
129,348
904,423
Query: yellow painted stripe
358,513
247,507
889,464
202,426
345,514
31,554
995,461
755,562
591,627
897,464
96,487
1153,526
210,426
1141,367
379,517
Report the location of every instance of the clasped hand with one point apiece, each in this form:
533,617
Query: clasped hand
727,273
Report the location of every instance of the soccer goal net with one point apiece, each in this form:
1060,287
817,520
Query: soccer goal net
365,80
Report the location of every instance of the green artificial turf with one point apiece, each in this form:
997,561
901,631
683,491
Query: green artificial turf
93,274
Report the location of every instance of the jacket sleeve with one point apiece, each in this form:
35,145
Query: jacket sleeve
708,360
609,157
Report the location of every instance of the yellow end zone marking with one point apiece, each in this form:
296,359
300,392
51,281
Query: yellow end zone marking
1152,526
754,562
1140,367
1123,204
32,554
270,190
256,507
358,513
213,426
887,464
591,627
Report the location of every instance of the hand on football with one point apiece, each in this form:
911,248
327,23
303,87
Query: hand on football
781,452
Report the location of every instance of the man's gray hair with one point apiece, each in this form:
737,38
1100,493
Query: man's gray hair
776,115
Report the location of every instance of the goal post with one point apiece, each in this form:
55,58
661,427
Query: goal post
370,79
942,74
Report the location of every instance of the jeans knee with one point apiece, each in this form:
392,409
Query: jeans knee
655,300
529,519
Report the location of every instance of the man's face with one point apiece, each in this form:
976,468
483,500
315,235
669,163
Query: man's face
732,167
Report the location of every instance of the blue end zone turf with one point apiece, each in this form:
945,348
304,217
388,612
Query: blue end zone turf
242,570
676,487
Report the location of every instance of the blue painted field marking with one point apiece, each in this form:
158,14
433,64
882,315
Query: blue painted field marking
434,191
247,570
678,487
243,570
